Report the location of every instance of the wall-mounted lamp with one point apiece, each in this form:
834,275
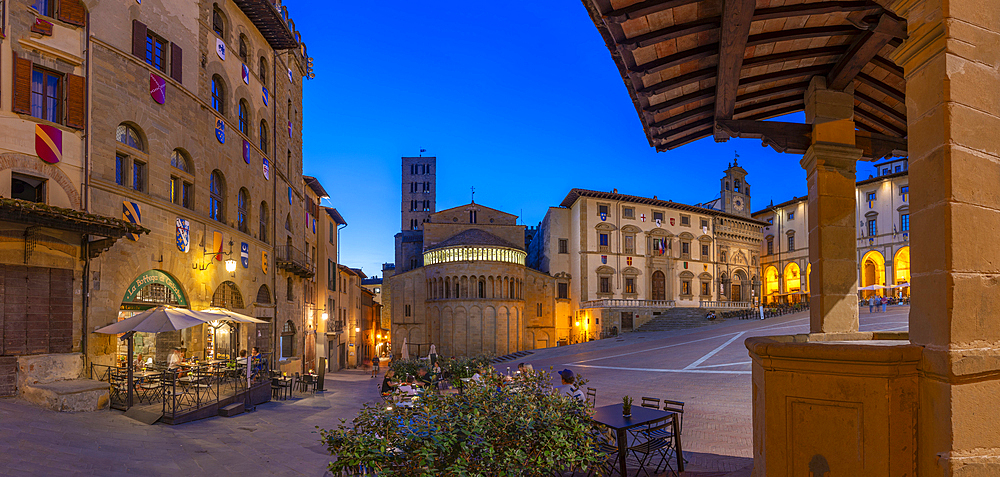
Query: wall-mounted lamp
357,330
324,316
231,267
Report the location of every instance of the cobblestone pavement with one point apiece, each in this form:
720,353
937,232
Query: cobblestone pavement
708,368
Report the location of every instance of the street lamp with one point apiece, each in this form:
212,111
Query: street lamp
231,267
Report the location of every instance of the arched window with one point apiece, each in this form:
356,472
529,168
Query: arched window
181,187
243,48
128,136
217,193
288,222
242,211
264,295
263,136
263,222
228,296
218,23
179,160
289,109
263,70
218,94
736,185
287,339
244,114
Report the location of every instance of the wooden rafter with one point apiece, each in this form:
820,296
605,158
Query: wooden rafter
871,118
771,103
794,55
775,91
737,15
876,146
675,59
776,112
880,107
679,81
694,136
670,33
888,65
647,7
705,124
681,101
680,119
804,9
880,86
801,34
863,50
806,71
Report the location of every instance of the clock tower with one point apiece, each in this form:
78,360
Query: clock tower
736,190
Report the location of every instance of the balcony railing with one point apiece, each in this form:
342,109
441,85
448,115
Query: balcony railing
294,260
627,303
726,305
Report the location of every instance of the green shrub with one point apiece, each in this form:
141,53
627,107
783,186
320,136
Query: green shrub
495,428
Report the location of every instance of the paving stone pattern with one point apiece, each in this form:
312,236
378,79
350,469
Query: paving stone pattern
279,437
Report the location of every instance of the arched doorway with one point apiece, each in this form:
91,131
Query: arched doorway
659,285
738,286
872,272
225,339
793,282
151,289
901,271
771,285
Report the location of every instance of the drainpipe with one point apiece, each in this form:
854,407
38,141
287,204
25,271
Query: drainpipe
85,238
274,209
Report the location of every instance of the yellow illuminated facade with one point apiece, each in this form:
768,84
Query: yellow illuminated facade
468,254
770,281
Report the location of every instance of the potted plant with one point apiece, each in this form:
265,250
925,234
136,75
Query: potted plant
626,406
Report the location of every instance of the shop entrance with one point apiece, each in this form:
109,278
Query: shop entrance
151,289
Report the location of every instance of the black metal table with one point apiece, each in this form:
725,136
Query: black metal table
611,417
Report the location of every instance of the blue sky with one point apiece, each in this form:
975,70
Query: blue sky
522,101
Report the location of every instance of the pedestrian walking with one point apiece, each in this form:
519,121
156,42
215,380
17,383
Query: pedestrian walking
375,362
871,304
885,301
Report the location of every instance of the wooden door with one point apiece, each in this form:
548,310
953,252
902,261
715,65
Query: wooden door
737,293
659,284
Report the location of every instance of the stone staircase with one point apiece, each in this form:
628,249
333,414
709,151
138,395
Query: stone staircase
678,319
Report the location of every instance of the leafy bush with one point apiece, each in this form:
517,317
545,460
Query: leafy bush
456,368
495,428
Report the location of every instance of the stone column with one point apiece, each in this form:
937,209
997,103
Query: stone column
830,165
951,60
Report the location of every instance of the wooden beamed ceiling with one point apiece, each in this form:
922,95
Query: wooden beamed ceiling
691,63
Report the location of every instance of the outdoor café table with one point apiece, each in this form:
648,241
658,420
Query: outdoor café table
611,417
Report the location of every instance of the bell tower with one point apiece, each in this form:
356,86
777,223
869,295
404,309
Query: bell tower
736,190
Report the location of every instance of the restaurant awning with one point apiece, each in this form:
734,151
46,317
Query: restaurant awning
700,68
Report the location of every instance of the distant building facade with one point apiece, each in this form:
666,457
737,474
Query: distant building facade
883,211
618,260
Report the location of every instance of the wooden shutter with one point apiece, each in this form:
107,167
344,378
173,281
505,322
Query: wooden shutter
76,101
72,12
176,59
139,39
22,85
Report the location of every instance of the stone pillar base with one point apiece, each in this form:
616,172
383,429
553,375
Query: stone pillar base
830,408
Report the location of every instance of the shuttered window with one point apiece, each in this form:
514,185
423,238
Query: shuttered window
152,49
72,12
44,7
156,51
76,101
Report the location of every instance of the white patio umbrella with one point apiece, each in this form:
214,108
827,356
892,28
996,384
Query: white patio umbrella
872,287
405,350
902,285
223,314
155,320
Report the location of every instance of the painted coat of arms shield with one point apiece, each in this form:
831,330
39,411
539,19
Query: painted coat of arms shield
183,235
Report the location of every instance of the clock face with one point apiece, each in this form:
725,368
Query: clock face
738,204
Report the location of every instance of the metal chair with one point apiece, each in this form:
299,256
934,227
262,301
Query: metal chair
660,441
678,407
652,403
307,381
592,396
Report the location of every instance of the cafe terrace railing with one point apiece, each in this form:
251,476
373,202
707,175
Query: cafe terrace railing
627,303
726,305
186,389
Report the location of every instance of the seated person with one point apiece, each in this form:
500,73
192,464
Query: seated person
387,385
567,387
175,358
423,377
